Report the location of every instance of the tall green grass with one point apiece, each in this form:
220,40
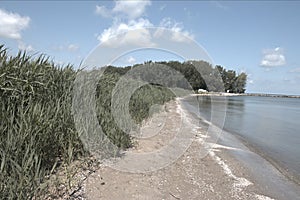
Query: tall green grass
140,102
37,130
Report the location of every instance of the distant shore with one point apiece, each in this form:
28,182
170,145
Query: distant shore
246,94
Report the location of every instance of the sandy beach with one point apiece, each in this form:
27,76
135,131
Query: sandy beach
203,171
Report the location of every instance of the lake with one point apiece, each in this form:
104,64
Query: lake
268,125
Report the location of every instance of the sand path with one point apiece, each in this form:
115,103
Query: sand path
192,173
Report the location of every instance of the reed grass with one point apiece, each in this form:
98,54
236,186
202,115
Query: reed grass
37,130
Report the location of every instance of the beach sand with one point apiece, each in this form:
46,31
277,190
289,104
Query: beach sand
201,171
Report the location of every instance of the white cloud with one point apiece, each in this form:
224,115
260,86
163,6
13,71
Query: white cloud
132,9
131,60
273,57
103,11
119,28
23,47
127,16
72,47
140,36
178,34
11,24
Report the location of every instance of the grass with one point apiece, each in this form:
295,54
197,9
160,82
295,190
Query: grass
37,129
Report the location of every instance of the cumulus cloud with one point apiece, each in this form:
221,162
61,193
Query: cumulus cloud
11,24
273,57
127,16
178,34
131,9
141,35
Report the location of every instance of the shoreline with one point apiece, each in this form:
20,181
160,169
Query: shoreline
289,174
263,171
223,94
284,177
218,175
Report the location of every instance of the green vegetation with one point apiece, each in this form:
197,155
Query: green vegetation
200,75
140,102
37,128
232,82
38,134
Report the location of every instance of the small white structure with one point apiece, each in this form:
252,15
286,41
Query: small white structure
201,91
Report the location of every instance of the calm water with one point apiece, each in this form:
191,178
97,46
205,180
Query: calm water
269,125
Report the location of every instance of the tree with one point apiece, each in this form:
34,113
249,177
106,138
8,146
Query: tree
229,81
233,83
240,83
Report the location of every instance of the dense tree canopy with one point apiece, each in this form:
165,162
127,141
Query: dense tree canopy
233,83
188,75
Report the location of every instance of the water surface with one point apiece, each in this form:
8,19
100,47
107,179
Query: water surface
269,125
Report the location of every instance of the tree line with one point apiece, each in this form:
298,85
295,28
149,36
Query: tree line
188,75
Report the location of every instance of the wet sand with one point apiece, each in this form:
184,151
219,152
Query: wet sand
204,170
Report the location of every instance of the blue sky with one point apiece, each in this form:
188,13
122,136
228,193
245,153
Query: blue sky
259,38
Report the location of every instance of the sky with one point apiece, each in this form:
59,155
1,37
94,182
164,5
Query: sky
260,38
